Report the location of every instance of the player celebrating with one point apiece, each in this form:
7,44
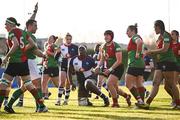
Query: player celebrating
112,54
18,65
68,50
82,65
166,65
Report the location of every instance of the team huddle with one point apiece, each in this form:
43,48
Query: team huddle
63,60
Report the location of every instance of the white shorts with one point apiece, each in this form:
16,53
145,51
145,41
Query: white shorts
33,69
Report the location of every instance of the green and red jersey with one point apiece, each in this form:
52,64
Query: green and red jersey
132,48
29,52
109,51
168,55
176,49
19,55
51,61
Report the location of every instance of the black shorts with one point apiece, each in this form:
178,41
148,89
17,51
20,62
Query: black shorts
177,68
64,65
146,75
118,71
52,71
17,69
166,66
135,71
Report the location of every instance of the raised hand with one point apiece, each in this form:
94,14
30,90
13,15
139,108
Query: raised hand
36,7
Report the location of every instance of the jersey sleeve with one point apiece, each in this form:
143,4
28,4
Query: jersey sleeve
166,37
117,47
12,34
135,37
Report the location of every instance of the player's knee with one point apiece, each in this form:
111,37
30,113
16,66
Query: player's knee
88,83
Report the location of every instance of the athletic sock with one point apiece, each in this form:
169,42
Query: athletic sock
141,91
38,99
177,101
105,86
60,92
135,93
115,100
2,96
14,97
67,93
103,96
40,95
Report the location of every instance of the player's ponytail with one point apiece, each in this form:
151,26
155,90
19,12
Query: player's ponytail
134,28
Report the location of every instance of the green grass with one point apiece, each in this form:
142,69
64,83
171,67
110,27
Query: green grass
160,110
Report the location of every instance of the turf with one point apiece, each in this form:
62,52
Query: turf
160,109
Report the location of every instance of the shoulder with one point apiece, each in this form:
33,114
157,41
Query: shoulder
136,37
166,37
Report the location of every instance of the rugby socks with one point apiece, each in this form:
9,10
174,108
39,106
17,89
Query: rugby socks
40,95
141,91
38,99
21,98
105,86
14,97
103,96
60,92
135,93
2,96
115,101
67,93
177,101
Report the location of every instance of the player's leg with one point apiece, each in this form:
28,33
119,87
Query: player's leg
90,86
155,88
62,80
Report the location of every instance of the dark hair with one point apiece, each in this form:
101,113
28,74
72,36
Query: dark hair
12,20
134,28
68,35
175,31
96,47
30,22
160,24
109,32
177,34
54,37
0,61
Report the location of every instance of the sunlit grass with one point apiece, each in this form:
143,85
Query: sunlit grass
160,110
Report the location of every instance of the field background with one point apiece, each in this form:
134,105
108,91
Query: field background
160,109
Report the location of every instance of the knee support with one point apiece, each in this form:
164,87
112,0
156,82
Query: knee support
27,83
5,82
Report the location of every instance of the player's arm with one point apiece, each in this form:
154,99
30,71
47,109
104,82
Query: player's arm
31,44
164,49
39,53
14,47
69,74
118,61
139,44
34,12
